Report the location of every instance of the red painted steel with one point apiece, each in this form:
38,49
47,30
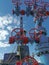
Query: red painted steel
16,2
11,40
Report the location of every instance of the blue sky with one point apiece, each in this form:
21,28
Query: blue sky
8,22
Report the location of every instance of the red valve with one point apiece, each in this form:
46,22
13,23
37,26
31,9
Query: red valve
29,58
16,2
16,31
26,59
35,35
32,33
24,39
44,4
11,40
18,34
43,13
47,13
22,12
28,2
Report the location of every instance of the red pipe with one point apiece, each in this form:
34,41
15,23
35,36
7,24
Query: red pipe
47,13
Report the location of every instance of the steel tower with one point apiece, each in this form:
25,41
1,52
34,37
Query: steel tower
18,35
37,9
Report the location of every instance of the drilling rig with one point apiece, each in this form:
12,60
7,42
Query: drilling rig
37,9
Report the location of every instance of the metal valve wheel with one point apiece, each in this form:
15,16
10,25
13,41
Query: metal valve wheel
16,2
35,34
30,61
19,35
16,31
44,4
15,35
32,32
30,2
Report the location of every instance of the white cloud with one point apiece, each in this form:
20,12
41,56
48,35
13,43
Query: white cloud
5,20
8,19
4,44
3,34
6,28
9,28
